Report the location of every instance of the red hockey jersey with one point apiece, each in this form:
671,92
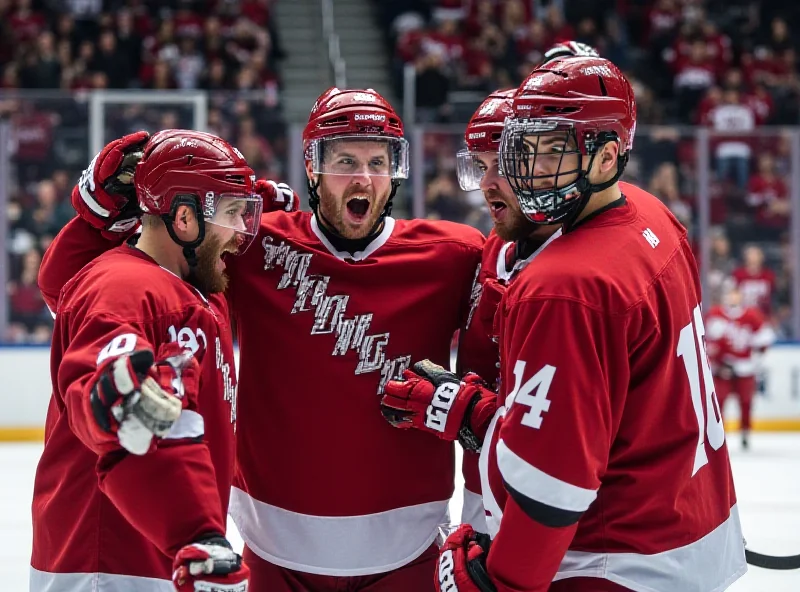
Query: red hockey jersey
608,453
324,484
735,335
477,352
756,288
104,519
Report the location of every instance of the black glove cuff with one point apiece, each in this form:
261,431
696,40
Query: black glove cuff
476,568
468,439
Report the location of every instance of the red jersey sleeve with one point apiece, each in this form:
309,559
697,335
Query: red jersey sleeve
553,447
169,494
75,246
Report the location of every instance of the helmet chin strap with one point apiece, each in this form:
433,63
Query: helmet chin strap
587,189
329,228
189,247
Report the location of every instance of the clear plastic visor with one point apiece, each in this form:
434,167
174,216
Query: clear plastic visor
374,156
239,212
472,166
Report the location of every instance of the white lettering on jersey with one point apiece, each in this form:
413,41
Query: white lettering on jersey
187,338
538,403
352,333
475,296
650,237
228,384
120,345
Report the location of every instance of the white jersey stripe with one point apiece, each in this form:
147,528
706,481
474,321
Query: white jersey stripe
710,564
538,485
44,581
337,545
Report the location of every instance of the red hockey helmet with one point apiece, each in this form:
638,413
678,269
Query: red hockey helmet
567,49
186,167
582,103
482,135
354,115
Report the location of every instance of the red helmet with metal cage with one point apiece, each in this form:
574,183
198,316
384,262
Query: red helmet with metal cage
482,135
187,167
586,101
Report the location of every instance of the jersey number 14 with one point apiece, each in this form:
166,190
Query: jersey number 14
692,349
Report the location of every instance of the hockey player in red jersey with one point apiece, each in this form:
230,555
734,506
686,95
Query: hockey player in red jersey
605,467
132,488
329,306
736,337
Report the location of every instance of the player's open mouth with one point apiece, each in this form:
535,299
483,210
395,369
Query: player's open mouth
358,207
497,209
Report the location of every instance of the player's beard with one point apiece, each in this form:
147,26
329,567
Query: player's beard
333,211
207,276
514,226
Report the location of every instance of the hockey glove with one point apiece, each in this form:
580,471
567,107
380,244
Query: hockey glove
137,400
462,562
209,565
277,196
432,399
105,196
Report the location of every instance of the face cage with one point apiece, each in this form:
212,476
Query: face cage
321,153
557,201
240,212
469,170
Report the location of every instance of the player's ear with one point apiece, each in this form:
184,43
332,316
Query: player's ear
186,223
605,163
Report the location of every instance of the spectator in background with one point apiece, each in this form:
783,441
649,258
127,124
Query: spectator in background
721,265
28,312
49,214
755,281
768,196
664,183
732,153
432,85
43,68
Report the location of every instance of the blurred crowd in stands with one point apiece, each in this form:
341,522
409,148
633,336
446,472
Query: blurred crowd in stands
720,65
726,66
53,51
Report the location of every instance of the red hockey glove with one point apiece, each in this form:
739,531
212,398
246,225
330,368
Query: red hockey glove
105,196
209,565
277,196
462,562
137,400
434,400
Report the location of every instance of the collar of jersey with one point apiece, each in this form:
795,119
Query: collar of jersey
503,274
373,246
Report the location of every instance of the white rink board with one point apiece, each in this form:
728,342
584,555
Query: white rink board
25,386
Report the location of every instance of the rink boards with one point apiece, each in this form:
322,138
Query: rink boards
25,392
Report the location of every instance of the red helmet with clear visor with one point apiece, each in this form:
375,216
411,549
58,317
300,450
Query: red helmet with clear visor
567,106
342,116
186,167
482,135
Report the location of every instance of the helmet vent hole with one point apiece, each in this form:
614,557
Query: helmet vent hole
238,179
602,86
556,109
189,158
335,121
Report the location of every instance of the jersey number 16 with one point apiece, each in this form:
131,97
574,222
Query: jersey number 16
692,349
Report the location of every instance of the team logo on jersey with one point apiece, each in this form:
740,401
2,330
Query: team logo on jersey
351,332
